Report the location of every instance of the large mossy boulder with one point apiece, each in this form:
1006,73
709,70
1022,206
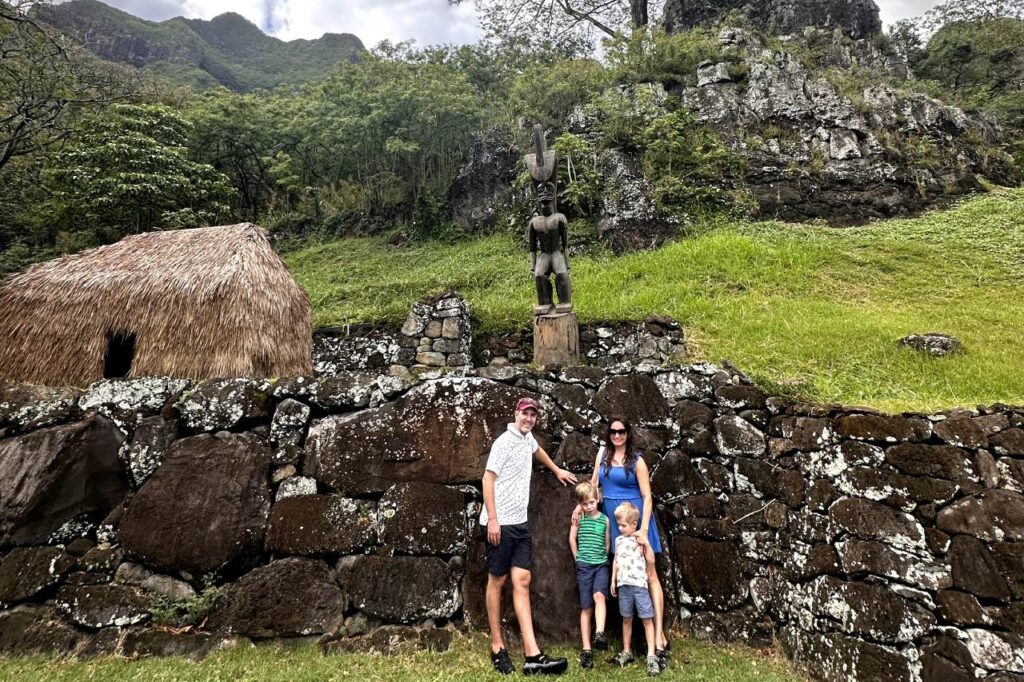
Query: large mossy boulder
205,507
51,476
289,597
440,432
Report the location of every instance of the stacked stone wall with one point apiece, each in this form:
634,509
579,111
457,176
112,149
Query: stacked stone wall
869,546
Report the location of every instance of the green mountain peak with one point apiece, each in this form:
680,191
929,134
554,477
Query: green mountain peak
228,50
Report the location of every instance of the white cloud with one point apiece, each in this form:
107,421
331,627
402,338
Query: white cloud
427,22
894,10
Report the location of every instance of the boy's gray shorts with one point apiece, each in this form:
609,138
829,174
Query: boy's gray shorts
635,600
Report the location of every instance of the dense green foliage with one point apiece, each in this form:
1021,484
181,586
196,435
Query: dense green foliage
772,298
466,660
981,66
130,168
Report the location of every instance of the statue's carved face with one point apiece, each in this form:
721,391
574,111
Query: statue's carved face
545,191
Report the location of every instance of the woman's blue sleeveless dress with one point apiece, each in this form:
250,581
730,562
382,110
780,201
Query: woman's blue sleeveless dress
618,488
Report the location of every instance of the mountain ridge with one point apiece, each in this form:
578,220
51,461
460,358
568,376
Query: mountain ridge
227,50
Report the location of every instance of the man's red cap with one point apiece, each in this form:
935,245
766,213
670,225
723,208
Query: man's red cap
527,404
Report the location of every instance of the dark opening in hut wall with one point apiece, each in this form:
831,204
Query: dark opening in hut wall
870,546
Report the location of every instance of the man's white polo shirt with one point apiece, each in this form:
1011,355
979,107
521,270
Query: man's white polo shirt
511,459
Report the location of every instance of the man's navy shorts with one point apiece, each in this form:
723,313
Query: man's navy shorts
514,549
591,579
635,600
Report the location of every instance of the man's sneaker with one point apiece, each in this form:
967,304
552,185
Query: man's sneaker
542,663
653,666
586,659
502,662
600,641
623,658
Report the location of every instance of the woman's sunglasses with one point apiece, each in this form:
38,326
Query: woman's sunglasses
617,432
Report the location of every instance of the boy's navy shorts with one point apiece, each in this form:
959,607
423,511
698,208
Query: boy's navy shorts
514,549
591,579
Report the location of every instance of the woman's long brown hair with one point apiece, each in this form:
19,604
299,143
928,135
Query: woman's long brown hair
629,459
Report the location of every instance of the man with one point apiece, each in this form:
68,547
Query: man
506,486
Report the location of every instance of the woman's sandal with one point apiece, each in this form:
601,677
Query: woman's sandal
664,654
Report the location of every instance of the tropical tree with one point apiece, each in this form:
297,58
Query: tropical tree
129,171
562,19
392,123
238,135
46,82
952,11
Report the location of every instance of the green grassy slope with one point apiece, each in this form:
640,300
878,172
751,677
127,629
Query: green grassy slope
810,311
467,660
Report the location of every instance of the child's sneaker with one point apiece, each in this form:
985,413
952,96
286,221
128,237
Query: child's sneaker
623,658
502,662
663,656
653,666
600,641
586,659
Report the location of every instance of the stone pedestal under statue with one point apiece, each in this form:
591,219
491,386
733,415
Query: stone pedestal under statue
556,340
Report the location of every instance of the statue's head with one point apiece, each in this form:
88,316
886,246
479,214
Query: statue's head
544,194
542,165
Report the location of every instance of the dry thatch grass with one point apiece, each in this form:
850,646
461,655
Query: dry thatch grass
202,303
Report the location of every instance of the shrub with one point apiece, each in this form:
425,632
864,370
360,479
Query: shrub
626,111
580,187
190,611
661,57
682,159
548,93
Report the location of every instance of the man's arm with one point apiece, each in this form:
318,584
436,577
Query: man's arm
572,541
564,477
493,527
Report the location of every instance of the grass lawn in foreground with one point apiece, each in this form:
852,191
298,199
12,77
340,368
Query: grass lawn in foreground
807,310
467,660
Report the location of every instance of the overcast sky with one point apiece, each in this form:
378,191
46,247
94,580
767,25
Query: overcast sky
427,22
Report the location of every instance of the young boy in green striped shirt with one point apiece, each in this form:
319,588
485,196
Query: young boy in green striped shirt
589,542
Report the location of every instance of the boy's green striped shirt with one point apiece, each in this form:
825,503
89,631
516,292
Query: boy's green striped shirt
590,540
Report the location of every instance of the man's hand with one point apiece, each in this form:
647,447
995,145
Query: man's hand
493,532
565,477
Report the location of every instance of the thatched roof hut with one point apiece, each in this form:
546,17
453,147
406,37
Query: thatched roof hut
202,303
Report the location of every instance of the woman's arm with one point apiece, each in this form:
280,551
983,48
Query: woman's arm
643,478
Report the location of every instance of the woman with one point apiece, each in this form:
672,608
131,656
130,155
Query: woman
624,477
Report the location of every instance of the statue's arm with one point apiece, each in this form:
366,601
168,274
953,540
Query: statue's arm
533,248
563,236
